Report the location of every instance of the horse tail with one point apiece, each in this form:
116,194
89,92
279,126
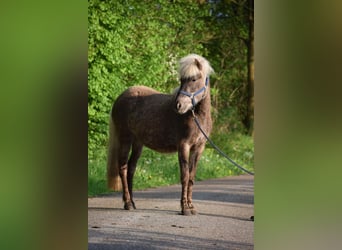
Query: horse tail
113,177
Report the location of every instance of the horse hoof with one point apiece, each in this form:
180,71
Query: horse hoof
193,211
129,206
186,212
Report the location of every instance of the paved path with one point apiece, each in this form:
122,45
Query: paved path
223,221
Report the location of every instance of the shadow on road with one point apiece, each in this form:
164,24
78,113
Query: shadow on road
225,190
122,239
166,212
224,205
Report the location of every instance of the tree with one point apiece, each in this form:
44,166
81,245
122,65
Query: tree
232,52
249,119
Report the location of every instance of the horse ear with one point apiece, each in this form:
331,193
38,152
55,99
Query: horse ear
198,64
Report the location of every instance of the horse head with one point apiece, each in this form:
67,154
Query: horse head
194,74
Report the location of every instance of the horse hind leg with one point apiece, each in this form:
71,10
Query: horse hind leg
125,146
132,164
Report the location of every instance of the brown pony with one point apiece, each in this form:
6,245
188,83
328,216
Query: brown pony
141,116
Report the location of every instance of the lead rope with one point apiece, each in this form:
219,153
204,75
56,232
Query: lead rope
216,147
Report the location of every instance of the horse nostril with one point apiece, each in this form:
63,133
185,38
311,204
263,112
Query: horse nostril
178,105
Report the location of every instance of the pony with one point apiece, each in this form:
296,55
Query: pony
142,116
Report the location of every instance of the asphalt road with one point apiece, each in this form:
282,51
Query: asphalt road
223,221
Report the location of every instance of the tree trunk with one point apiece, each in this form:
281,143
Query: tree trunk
249,119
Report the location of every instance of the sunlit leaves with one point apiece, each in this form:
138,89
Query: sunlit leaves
136,43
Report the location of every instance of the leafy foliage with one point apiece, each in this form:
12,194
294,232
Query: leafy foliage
227,51
139,43
131,43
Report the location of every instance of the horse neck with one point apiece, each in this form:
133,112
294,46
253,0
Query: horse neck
203,108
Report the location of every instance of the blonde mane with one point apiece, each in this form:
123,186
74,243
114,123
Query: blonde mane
188,66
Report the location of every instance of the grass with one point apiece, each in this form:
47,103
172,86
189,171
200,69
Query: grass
156,169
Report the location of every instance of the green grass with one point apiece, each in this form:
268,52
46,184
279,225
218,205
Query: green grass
156,169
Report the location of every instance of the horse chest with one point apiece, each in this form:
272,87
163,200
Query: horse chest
191,134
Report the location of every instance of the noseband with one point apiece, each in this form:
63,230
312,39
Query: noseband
193,94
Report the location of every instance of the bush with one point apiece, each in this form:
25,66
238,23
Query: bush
135,44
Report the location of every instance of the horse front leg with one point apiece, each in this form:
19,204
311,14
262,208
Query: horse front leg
183,158
195,155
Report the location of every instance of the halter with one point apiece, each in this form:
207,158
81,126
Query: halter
193,94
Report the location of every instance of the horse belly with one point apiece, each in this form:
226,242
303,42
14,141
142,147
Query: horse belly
160,144
162,148
158,140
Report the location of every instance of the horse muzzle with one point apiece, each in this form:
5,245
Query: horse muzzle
182,106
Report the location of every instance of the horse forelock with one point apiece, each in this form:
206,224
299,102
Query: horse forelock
192,65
